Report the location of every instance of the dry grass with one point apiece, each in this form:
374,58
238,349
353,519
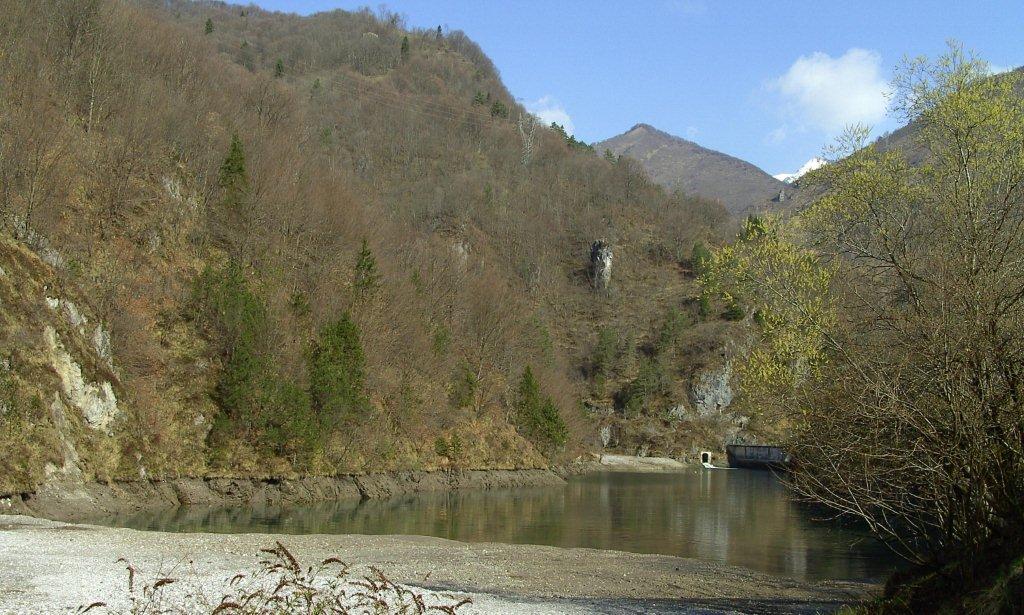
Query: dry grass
279,585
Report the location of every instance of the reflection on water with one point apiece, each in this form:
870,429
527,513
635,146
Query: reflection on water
738,517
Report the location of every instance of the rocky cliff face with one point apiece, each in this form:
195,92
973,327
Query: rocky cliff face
600,264
59,386
711,390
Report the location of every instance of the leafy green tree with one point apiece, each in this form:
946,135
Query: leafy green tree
455,447
336,366
367,278
890,324
537,414
208,29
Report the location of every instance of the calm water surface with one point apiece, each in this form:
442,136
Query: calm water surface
737,517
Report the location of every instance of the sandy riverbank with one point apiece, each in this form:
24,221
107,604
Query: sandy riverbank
52,567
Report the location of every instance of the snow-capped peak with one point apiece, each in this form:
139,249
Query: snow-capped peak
810,165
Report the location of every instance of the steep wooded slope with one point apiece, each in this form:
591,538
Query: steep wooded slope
315,247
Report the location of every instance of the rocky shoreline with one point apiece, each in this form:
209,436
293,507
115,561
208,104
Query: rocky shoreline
77,501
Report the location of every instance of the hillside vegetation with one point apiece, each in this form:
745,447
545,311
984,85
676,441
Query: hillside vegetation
890,339
247,243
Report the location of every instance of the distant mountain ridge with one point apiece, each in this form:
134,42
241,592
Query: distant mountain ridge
676,163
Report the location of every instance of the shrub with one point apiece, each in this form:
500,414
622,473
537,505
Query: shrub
734,311
676,322
462,392
700,257
606,352
455,447
441,447
651,381
704,307
22,439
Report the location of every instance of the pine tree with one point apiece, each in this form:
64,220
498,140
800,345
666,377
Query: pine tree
405,48
209,26
233,177
537,415
279,69
367,278
239,320
498,109
336,367
232,218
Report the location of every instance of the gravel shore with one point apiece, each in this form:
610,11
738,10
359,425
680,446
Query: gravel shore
53,567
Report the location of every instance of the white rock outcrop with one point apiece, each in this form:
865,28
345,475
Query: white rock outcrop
75,317
712,391
96,402
101,344
600,264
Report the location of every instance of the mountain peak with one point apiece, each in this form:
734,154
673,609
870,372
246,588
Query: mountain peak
677,163
811,165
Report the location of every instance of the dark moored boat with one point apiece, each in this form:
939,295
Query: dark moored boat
757,457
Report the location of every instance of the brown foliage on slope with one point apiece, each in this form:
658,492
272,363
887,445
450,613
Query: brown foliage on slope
114,122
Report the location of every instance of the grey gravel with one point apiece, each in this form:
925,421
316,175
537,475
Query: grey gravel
52,567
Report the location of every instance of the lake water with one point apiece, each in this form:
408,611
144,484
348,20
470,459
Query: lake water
738,517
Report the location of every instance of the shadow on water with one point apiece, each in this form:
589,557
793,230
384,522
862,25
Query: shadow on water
743,518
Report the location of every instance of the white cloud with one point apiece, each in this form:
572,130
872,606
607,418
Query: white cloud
778,135
831,93
548,109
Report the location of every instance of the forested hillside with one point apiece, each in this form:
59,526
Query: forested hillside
244,243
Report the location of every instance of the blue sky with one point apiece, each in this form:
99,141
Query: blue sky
769,82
